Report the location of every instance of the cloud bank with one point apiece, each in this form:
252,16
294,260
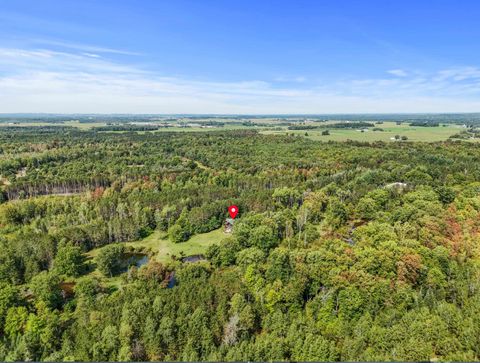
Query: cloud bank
85,80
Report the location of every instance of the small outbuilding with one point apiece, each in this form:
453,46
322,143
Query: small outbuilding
228,225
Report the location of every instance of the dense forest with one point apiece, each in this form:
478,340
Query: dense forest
341,251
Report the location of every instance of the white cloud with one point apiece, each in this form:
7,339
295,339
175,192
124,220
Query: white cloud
44,80
91,55
398,72
297,79
82,47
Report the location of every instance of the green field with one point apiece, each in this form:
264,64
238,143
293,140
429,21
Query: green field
163,249
390,129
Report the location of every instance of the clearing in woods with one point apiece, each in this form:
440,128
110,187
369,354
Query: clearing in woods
163,249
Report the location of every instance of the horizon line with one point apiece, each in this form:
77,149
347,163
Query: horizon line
233,114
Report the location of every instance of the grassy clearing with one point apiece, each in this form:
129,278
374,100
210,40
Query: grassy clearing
85,125
163,249
390,129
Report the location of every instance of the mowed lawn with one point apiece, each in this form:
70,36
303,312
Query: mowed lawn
163,249
390,129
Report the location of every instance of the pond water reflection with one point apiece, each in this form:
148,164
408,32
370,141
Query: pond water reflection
133,259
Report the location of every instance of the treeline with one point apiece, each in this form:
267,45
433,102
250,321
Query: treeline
37,129
425,124
22,191
304,127
351,125
335,125
129,128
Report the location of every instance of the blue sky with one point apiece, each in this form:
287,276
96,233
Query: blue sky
153,56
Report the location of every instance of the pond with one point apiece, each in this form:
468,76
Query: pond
194,258
133,259
172,280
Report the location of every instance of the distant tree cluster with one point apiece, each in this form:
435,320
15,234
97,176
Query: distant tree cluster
424,124
350,125
126,127
303,127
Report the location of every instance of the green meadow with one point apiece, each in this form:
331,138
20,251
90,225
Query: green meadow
390,129
270,126
162,249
